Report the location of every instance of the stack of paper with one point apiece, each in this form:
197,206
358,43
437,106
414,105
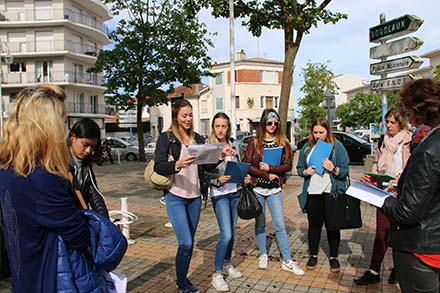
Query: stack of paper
321,151
368,193
379,177
272,156
205,153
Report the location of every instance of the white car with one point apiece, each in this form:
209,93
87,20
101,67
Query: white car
150,148
126,151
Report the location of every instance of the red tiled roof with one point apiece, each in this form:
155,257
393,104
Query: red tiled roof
186,91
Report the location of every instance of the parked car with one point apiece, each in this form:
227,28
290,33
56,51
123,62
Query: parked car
150,148
243,142
356,147
126,150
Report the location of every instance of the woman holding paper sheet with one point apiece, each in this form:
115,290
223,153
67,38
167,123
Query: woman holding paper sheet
415,223
333,180
390,158
268,180
225,197
183,199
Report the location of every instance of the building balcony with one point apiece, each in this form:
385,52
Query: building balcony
28,15
85,108
82,78
53,46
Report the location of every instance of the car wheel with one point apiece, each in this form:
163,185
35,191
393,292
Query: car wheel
131,157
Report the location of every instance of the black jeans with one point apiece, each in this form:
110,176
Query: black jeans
316,215
414,275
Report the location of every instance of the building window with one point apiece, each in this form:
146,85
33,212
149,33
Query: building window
219,78
79,103
77,73
268,76
237,102
277,101
269,103
204,106
94,104
17,67
219,104
43,71
262,101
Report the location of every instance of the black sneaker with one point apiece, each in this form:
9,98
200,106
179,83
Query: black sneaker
191,288
367,278
311,263
392,279
334,265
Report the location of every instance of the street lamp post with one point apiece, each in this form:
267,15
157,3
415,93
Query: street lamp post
329,104
8,60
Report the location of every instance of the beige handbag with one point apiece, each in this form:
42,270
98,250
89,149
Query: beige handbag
156,180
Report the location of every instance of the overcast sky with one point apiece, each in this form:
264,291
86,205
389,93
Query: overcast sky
345,44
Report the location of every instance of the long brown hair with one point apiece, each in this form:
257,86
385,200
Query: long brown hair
34,134
280,136
212,137
174,127
323,123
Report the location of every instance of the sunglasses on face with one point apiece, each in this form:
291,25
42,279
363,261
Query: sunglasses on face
270,123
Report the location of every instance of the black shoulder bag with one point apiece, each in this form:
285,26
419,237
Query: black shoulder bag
249,207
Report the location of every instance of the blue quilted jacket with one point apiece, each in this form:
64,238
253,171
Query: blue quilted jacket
86,271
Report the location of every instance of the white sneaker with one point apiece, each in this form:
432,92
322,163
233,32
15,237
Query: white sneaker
293,267
263,263
219,283
232,272
168,225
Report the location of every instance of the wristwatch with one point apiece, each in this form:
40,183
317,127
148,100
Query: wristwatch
334,170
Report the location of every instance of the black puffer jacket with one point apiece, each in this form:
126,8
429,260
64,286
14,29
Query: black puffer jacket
167,143
89,189
415,215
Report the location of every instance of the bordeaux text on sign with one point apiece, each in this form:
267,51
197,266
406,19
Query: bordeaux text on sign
395,28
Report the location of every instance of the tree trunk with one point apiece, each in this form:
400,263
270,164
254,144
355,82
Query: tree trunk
140,131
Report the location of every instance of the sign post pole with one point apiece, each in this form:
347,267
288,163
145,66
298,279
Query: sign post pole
384,92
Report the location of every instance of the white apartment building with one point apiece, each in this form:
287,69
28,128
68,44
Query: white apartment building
257,87
55,41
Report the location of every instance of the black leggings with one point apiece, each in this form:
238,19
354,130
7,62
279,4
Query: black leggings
316,215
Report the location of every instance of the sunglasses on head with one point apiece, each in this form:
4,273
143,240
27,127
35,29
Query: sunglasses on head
270,123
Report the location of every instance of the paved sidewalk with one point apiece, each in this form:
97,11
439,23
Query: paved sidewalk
149,262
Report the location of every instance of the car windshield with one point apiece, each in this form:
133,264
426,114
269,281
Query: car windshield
356,138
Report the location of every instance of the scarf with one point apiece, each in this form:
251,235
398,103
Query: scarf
421,131
391,145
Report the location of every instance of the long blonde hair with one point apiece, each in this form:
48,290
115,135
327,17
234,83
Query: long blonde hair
34,134
212,137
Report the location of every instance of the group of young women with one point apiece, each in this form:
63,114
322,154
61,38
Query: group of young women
40,174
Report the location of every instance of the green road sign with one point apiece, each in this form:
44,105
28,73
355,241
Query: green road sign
394,28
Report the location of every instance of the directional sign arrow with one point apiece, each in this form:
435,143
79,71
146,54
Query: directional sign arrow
400,64
389,83
397,47
395,28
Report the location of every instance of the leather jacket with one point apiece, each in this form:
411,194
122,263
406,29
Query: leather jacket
414,215
251,156
167,143
89,189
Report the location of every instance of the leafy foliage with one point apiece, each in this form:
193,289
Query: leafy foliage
156,44
295,18
365,108
436,73
317,82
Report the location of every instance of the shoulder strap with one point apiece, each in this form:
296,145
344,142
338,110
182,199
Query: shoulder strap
380,142
77,192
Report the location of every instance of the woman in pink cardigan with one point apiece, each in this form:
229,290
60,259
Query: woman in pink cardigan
390,158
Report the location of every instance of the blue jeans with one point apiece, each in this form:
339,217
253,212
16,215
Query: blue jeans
184,215
275,204
225,208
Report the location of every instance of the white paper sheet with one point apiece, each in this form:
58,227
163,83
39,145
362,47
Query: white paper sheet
205,153
368,193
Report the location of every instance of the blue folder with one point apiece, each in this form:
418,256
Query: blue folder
321,151
237,171
272,156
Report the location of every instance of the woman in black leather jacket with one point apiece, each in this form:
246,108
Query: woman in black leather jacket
415,213
84,142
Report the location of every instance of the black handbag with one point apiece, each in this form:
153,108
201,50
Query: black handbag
342,211
5,271
249,207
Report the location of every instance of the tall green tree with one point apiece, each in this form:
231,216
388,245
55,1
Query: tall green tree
436,73
365,108
295,18
317,82
156,44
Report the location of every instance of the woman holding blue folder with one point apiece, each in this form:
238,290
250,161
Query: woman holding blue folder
268,180
225,197
316,185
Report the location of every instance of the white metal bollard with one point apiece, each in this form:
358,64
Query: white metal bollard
126,220
119,157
